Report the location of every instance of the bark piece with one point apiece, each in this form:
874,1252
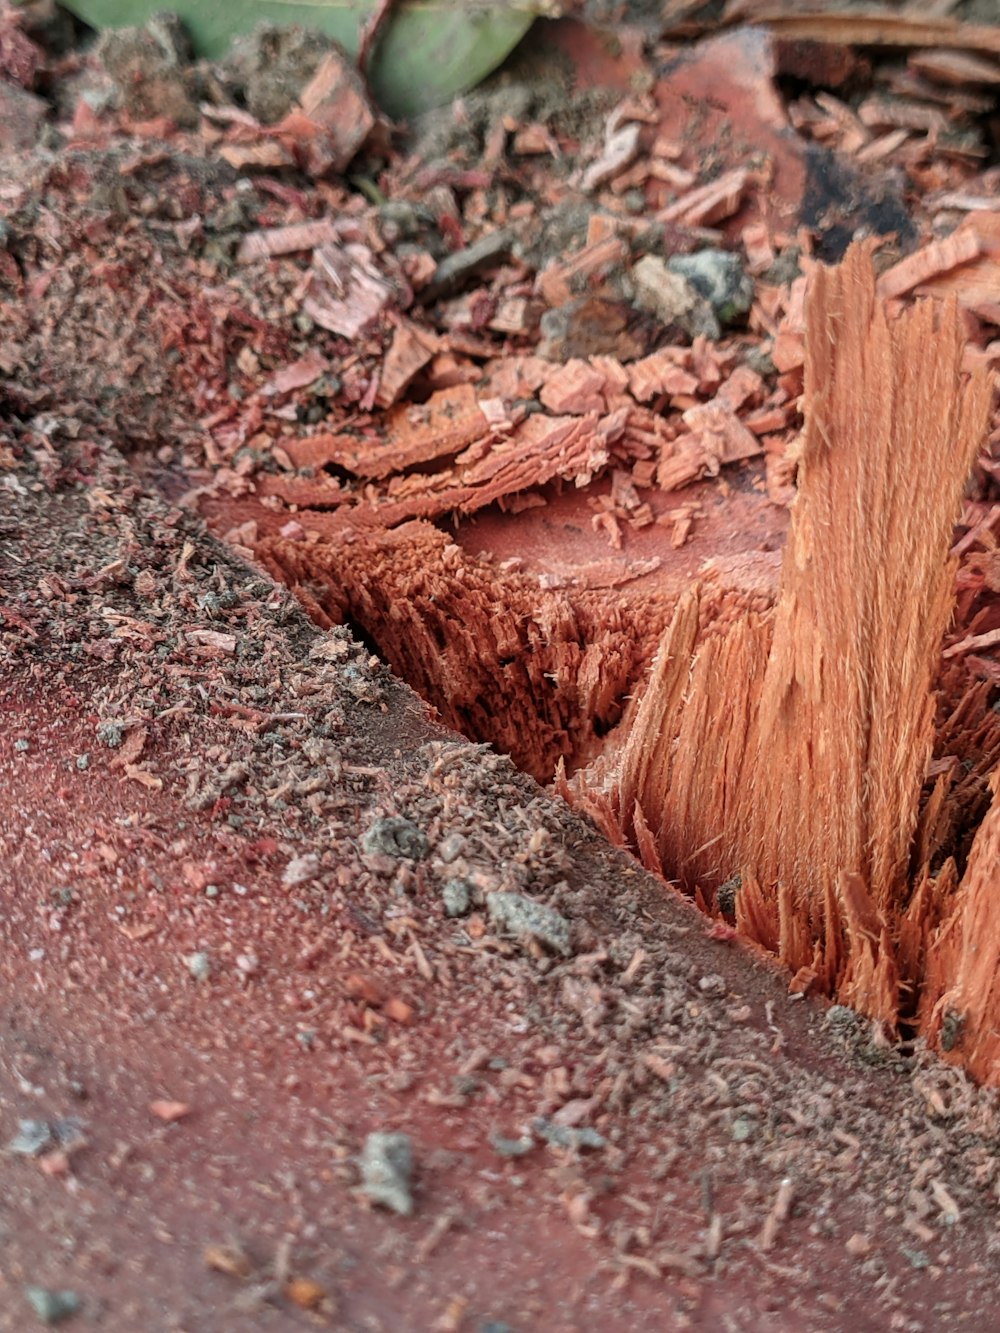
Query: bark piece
662,372
334,100
560,281
975,280
576,388
931,261
540,665
271,241
705,204
872,29
955,68
961,1000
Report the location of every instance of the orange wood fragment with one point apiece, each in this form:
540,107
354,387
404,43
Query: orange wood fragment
346,290
560,281
791,749
704,204
410,350
336,104
875,28
448,422
975,283
960,1005
939,257
575,387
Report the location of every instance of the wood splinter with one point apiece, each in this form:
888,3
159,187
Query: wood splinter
791,749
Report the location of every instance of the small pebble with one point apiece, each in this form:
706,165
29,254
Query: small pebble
199,965
392,835
512,1147
719,277
523,916
300,869
917,1258
451,846
456,897
52,1307
386,1167
31,1137
564,1136
742,1129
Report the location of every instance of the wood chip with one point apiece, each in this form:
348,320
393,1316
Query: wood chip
410,350
272,241
346,292
169,1111
705,204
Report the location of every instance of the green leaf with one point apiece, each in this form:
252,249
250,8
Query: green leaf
428,51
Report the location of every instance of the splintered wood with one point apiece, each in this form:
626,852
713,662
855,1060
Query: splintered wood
553,493
533,619
791,750
542,672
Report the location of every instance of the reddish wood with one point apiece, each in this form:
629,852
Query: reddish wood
792,748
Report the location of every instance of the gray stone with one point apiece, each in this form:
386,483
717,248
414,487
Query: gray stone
566,1136
512,1147
386,1167
52,1307
31,1137
718,276
392,835
199,965
672,299
713,986
111,733
523,916
456,897
742,1129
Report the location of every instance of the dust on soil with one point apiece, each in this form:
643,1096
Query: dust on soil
645,1133
599,1139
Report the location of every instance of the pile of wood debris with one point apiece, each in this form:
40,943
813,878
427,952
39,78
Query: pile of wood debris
526,406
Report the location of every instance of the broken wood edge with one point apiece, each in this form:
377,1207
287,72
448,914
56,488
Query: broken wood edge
791,749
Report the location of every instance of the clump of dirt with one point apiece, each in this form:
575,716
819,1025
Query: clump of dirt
153,69
269,68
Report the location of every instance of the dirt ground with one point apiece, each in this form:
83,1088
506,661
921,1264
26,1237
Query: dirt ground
258,905
601,1132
